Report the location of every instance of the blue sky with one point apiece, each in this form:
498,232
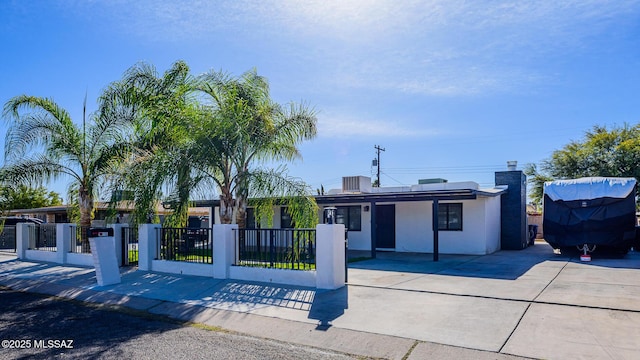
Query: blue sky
451,89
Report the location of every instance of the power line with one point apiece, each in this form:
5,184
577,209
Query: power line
392,178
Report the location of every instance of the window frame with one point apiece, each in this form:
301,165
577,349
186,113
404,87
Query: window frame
250,221
283,213
350,211
448,212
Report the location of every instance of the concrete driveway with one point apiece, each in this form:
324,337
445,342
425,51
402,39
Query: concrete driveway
531,303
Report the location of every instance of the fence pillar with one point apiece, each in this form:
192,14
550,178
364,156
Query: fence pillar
330,256
63,241
147,245
224,249
23,240
117,235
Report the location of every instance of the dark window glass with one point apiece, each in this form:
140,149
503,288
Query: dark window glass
342,216
350,216
355,218
251,218
285,219
450,216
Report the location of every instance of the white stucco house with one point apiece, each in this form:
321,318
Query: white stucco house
402,219
470,220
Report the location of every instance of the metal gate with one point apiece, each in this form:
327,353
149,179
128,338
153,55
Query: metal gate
8,238
129,246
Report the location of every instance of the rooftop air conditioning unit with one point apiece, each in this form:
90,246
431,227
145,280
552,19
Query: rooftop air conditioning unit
356,184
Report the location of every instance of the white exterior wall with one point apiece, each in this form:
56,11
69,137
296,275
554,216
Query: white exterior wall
472,239
480,228
493,224
413,227
358,240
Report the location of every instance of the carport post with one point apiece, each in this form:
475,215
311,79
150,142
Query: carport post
374,227
435,229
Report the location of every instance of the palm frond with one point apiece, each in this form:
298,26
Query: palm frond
36,171
48,124
270,186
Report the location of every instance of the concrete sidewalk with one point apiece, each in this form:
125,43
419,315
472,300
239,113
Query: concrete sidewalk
529,303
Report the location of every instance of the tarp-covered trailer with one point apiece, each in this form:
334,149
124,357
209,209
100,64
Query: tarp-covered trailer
596,211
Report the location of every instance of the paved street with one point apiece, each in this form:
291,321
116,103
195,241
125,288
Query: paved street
103,333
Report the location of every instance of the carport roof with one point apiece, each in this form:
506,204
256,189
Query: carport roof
440,195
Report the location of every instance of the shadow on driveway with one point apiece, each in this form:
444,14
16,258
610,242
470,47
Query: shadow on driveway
504,264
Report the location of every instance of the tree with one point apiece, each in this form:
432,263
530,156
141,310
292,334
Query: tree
536,180
25,197
45,144
246,131
163,166
212,131
602,152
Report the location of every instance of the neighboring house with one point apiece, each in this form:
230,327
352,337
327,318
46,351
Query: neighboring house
60,213
49,214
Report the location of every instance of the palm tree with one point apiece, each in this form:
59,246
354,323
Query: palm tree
165,116
247,130
45,144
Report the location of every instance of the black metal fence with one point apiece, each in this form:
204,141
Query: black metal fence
186,244
293,249
129,246
8,238
79,240
45,237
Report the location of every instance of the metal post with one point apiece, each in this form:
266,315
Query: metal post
271,246
374,227
435,230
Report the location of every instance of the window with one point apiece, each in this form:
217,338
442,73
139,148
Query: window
350,216
251,218
285,219
450,217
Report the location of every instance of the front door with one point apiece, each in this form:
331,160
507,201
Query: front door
386,226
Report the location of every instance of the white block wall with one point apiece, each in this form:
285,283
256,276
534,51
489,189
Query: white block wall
290,277
182,267
330,259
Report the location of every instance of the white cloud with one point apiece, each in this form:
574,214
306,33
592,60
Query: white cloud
436,47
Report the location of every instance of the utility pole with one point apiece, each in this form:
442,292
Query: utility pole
378,148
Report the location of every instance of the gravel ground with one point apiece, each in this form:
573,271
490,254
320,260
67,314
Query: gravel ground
100,332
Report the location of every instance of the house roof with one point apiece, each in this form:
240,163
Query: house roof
127,206
408,194
429,195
